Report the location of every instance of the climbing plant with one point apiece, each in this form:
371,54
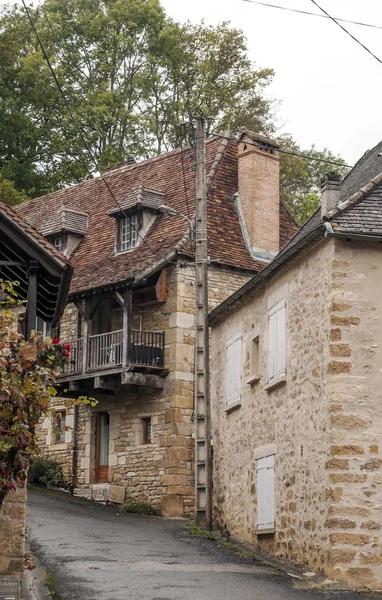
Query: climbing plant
28,371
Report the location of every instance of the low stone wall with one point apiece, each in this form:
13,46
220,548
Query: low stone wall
12,533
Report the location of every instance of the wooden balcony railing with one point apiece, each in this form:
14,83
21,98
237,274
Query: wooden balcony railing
76,357
105,351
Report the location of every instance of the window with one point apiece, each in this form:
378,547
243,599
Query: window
266,494
60,425
234,371
276,341
43,327
147,430
127,233
59,243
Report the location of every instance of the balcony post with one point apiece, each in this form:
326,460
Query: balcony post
85,347
126,335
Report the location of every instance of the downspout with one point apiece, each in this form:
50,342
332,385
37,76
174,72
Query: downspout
74,448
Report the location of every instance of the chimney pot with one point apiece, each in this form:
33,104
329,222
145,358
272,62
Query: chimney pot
330,193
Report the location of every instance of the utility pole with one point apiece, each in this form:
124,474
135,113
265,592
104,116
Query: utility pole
203,455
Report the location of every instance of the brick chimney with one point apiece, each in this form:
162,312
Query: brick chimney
330,193
259,194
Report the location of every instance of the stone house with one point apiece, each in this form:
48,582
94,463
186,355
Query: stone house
296,391
130,314
43,277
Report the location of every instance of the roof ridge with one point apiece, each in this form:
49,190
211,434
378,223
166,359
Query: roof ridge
218,158
354,198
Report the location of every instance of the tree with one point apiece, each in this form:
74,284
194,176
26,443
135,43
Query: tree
130,75
300,178
27,377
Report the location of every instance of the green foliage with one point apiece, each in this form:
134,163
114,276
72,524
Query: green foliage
200,532
28,371
300,178
46,473
140,508
130,75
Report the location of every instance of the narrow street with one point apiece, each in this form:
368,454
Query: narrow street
95,553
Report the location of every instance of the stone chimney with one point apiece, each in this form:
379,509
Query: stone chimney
330,193
259,194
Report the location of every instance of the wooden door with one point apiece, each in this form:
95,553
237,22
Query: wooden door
102,448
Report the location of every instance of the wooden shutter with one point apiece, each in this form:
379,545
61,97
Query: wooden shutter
233,370
276,340
266,493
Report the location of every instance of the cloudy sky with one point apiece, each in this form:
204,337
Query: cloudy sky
329,86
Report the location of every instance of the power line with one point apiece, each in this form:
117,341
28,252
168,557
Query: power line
282,151
346,31
305,12
81,134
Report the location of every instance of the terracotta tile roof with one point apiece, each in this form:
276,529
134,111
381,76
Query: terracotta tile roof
39,239
95,262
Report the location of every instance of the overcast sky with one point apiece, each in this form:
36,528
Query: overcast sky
330,87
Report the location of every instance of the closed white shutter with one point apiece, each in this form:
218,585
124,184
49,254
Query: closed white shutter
280,369
237,370
233,370
276,340
266,492
230,371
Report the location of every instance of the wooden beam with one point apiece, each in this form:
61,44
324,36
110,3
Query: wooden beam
142,379
127,312
32,298
161,286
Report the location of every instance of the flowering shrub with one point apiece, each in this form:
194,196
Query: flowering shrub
28,371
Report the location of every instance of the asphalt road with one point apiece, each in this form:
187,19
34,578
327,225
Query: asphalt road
94,553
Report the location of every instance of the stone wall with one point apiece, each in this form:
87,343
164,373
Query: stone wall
326,419
355,462
294,416
160,473
12,533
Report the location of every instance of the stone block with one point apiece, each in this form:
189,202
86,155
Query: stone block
348,421
117,494
340,524
335,464
348,477
370,525
354,539
373,464
340,350
335,334
100,492
349,450
342,555
172,506
337,367
172,415
336,320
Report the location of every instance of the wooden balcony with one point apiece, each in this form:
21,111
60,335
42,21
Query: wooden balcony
113,353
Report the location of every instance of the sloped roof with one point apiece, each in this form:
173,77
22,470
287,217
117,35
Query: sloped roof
20,243
95,262
359,213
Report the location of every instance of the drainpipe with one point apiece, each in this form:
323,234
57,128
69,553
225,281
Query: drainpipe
74,448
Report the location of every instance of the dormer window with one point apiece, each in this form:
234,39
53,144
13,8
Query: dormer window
128,228
59,243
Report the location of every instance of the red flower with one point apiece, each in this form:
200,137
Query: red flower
67,346
55,341
67,353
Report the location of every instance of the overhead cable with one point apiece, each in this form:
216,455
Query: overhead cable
80,132
305,12
346,31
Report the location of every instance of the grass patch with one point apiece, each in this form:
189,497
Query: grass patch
50,583
200,532
140,508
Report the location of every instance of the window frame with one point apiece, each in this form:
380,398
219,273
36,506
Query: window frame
132,226
59,416
147,430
